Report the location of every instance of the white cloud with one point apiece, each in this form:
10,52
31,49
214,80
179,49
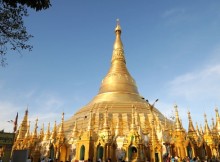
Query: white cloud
44,106
198,84
173,12
29,94
47,101
197,91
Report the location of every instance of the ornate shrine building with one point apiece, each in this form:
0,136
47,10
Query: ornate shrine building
118,123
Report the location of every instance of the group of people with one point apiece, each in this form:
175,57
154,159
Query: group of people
47,160
100,160
168,158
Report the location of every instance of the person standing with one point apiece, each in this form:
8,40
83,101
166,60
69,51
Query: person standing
29,159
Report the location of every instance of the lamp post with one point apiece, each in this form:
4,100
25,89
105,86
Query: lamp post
151,144
152,105
14,122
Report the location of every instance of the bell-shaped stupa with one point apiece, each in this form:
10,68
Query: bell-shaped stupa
118,94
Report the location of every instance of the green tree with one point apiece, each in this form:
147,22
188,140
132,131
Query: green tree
13,33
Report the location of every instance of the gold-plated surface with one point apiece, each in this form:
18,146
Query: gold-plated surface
118,91
121,123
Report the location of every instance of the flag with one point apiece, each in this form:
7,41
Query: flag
16,123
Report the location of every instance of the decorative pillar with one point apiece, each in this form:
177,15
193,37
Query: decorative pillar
104,152
126,156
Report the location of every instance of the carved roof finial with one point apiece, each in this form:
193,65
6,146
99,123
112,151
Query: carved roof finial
24,126
54,133
118,27
61,130
47,136
190,127
178,124
206,128
35,129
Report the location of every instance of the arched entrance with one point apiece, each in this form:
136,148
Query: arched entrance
52,152
132,153
157,155
189,151
100,151
82,152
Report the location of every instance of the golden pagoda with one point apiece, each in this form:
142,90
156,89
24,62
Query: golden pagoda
119,124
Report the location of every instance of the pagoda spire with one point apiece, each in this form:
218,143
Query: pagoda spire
54,133
118,49
217,120
178,125
47,136
35,129
201,130
206,128
15,123
213,124
190,127
42,131
27,135
191,130
197,129
214,130
61,129
118,78
153,138
23,127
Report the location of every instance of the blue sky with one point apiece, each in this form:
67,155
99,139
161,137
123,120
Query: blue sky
172,50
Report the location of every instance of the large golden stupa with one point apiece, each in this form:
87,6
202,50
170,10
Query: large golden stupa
118,124
118,95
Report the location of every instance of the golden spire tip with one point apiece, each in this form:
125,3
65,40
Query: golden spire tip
118,21
118,28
